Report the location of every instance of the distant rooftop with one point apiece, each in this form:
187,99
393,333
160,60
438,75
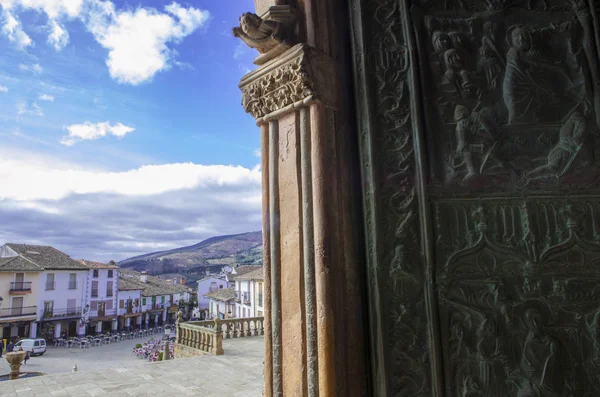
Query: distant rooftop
153,287
97,265
46,257
223,295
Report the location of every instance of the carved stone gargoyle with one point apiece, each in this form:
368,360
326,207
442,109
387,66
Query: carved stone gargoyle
258,34
268,34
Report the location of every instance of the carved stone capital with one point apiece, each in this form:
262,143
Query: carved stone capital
300,75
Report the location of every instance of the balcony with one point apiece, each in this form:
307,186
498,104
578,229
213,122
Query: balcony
62,313
50,285
22,311
20,288
72,285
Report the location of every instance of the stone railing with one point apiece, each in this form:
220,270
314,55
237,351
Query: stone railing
206,337
235,327
195,340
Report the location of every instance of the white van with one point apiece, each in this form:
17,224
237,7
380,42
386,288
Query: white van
33,346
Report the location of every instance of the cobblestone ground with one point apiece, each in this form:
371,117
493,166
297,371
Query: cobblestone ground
238,373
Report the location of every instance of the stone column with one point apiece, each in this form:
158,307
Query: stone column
33,329
115,324
57,330
313,314
99,327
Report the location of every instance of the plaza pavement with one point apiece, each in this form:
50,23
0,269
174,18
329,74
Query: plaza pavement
110,370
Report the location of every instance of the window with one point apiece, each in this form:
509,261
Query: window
162,299
95,273
17,306
49,281
121,304
110,273
221,286
72,306
109,305
48,308
144,301
95,289
109,288
213,286
72,281
94,306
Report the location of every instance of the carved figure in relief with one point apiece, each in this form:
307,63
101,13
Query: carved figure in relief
530,80
457,79
562,156
540,372
441,42
468,126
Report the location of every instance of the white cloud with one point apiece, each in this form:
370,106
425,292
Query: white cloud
12,28
58,37
89,131
137,40
46,97
3,88
35,68
114,215
257,153
34,109
46,183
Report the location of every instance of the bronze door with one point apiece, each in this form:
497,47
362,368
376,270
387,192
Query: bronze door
479,127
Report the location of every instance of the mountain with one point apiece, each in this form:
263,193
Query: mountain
212,253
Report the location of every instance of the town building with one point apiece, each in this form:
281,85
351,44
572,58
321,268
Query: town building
61,289
157,297
249,291
101,296
221,303
210,284
19,287
130,304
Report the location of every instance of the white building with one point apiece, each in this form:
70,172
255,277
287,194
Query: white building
221,303
130,305
249,291
158,297
19,286
210,284
61,289
100,312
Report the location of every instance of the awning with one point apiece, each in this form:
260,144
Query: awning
104,318
16,320
130,315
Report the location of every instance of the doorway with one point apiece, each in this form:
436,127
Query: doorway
472,226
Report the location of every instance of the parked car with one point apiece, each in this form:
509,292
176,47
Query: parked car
33,346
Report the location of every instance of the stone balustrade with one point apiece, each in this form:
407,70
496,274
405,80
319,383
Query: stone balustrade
195,340
206,337
236,327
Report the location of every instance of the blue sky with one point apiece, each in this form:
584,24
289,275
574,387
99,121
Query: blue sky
107,107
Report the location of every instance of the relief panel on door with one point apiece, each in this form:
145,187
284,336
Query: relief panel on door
519,295
512,103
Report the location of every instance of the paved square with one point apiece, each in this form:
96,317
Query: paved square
237,373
